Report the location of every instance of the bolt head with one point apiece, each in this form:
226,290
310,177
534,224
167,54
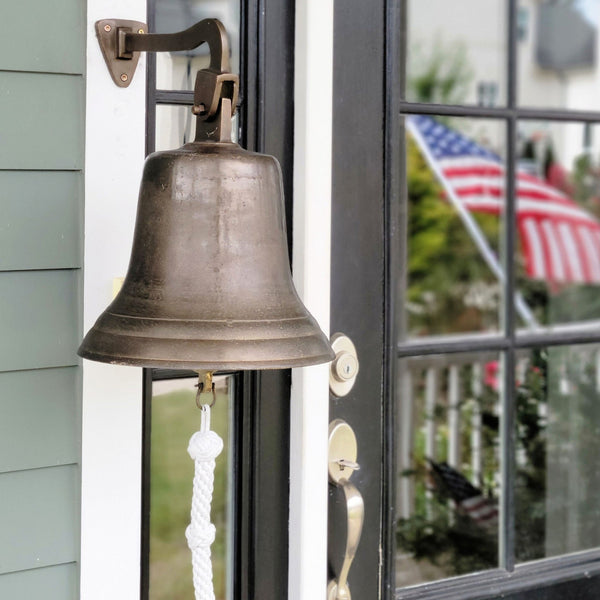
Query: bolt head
140,31
124,77
107,28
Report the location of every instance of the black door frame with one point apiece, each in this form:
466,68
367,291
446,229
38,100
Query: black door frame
262,407
363,247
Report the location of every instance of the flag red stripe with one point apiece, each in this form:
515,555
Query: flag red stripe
484,189
527,253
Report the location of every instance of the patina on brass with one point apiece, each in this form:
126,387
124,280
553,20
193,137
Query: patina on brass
209,285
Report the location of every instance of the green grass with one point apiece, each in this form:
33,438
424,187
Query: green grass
175,418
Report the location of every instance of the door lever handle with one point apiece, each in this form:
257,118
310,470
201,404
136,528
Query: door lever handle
342,463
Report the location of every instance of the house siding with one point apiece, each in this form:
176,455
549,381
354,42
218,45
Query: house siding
42,120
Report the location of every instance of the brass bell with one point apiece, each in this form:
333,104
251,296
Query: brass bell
209,284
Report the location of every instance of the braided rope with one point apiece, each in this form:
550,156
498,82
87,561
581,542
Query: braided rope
205,445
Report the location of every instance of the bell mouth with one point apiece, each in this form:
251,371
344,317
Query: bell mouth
206,345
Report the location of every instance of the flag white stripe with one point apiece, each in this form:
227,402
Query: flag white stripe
485,513
572,254
462,181
590,248
497,182
467,162
552,243
536,248
542,209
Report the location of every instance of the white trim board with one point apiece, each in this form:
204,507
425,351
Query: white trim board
112,396
311,260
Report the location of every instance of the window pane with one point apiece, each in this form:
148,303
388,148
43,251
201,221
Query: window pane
175,418
557,494
455,186
177,70
558,224
449,466
456,52
558,54
175,126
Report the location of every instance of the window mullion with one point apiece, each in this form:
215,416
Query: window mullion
507,439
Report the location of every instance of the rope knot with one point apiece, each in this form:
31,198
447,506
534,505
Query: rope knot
200,536
205,446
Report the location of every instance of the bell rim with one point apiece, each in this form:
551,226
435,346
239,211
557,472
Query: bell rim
235,365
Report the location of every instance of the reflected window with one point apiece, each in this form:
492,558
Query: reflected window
455,185
177,70
558,444
558,62
558,222
522,24
449,480
451,47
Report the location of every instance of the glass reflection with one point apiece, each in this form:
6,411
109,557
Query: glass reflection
177,70
448,483
558,54
558,444
558,222
456,52
174,419
175,126
455,187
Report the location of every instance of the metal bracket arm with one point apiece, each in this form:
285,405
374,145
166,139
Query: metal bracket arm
121,42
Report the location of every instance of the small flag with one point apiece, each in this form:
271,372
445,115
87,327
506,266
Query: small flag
469,500
560,240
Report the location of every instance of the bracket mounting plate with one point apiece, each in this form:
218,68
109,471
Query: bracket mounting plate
107,30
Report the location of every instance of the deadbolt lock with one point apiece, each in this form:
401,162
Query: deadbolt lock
344,368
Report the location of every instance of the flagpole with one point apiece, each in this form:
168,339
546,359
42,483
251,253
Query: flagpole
472,227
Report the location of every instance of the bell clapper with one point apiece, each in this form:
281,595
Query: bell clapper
205,385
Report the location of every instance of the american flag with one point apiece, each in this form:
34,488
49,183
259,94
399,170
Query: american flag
560,240
468,499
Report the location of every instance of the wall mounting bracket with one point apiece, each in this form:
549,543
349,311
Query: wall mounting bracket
122,41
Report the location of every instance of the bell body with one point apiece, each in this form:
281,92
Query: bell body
208,285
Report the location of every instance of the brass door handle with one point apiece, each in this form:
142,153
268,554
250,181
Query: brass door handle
342,463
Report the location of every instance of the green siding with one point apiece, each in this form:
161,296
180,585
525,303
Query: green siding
42,121
39,319
51,583
42,128
39,518
39,419
45,36
48,206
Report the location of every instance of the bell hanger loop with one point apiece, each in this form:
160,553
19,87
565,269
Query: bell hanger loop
205,385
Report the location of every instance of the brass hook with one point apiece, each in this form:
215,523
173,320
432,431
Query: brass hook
205,385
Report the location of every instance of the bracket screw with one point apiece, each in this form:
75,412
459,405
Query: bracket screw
124,77
140,31
107,28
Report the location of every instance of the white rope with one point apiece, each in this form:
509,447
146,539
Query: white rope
205,445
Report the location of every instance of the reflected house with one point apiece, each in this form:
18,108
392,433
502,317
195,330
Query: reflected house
557,63
565,39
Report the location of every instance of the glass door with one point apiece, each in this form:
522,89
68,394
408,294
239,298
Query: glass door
469,190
